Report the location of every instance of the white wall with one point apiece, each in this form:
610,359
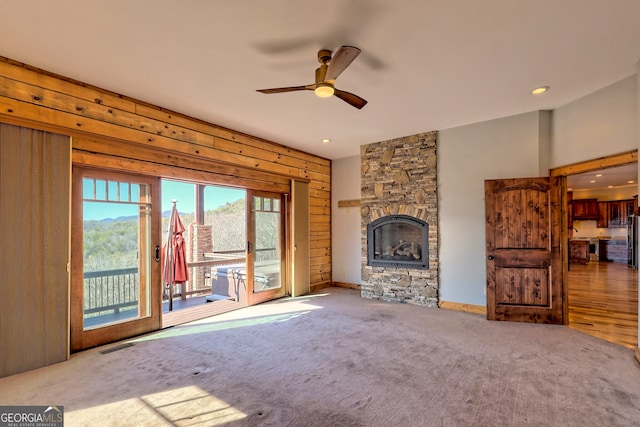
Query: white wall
600,124
597,125
345,222
467,156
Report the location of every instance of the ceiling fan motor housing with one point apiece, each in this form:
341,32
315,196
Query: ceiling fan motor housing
324,56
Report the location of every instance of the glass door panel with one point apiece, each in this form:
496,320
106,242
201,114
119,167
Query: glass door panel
266,247
114,221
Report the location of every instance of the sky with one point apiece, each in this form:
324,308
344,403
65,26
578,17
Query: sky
183,192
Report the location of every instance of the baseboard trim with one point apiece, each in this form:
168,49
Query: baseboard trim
347,285
319,286
467,308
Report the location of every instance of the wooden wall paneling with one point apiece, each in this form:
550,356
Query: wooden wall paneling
28,74
42,100
288,155
125,126
321,252
320,241
34,320
171,172
316,201
210,173
320,210
154,120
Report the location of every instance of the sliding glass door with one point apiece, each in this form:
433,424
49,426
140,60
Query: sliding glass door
115,224
265,247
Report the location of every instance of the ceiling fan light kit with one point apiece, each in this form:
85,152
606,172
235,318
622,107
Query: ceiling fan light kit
331,67
324,90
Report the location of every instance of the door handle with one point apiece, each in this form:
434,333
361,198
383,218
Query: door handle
490,257
248,247
157,253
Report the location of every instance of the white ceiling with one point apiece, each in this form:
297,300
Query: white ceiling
616,177
426,64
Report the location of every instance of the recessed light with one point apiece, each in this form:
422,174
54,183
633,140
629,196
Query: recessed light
592,181
631,181
539,90
325,140
610,186
598,175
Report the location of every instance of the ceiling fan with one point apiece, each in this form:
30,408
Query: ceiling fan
331,67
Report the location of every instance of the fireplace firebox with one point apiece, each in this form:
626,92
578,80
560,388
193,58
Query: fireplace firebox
399,241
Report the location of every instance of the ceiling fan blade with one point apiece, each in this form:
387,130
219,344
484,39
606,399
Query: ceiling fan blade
341,60
286,89
350,98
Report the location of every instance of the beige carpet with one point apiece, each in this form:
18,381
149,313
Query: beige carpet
334,359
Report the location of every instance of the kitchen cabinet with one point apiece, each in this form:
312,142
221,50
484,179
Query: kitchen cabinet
585,209
631,208
619,211
603,215
579,251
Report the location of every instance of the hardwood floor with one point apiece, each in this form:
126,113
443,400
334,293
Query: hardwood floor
603,301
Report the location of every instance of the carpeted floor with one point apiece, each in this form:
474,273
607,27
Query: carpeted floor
335,359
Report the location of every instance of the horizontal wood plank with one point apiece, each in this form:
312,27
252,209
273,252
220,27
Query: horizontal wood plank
349,203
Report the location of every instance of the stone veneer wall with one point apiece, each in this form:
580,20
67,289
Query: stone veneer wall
201,243
399,177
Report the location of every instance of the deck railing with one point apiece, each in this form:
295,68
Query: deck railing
109,291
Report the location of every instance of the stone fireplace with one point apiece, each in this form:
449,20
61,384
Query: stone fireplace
399,210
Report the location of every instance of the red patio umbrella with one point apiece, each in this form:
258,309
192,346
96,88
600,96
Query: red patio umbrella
174,262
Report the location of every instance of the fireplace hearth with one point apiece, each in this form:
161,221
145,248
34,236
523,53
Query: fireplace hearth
398,241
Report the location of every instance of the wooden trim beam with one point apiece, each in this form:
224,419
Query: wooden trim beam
349,203
597,164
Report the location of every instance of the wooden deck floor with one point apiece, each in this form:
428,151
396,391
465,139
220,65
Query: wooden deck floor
194,308
603,301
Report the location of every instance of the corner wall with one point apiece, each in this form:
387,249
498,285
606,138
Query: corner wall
345,222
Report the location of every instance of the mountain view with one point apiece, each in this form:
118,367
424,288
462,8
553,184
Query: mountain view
113,243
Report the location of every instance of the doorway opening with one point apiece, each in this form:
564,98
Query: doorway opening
214,234
602,258
232,242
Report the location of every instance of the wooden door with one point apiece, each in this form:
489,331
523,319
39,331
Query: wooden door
523,249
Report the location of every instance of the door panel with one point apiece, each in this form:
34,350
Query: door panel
524,265
113,296
300,235
35,176
265,247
